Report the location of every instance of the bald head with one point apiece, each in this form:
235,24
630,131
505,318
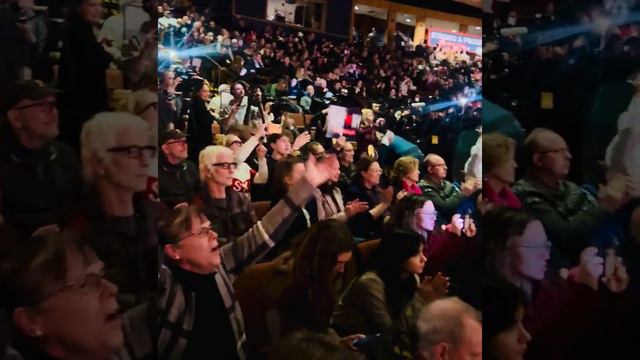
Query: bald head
548,154
436,167
449,328
541,139
432,158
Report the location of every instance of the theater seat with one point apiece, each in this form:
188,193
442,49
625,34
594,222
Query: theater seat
250,292
299,119
261,208
366,250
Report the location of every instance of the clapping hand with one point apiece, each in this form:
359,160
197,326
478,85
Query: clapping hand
387,195
589,269
355,207
619,280
470,185
433,288
456,225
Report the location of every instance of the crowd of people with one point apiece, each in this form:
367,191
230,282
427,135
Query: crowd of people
78,177
387,237
206,202
136,211
416,94
561,220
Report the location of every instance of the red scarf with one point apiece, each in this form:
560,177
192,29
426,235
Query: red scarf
504,198
412,189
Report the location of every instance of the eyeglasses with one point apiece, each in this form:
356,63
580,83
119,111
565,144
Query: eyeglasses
179,142
90,283
205,230
44,105
546,246
236,142
436,165
226,165
136,152
427,213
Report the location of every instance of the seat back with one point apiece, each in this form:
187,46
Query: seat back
250,291
366,250
261,208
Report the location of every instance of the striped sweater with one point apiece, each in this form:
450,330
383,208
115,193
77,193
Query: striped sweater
177,308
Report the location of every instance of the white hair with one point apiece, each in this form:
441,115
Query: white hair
210,155
623,153
442,321
100,133
473,165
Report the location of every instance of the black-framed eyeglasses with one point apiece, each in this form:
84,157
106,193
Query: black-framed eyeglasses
546,246
204,230
44,105
226,165
91,282
135,152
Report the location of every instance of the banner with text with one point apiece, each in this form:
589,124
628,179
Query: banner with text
466,42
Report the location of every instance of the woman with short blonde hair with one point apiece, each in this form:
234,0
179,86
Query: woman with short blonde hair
405,175
499,167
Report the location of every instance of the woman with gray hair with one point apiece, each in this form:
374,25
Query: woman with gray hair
116,155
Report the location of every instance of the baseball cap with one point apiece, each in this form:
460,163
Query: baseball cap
27,89
172,134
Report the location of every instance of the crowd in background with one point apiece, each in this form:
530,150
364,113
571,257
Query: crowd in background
147,204
246,110
85,271
303,73
560,232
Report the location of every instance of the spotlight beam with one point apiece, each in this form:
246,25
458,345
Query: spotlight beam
535,39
